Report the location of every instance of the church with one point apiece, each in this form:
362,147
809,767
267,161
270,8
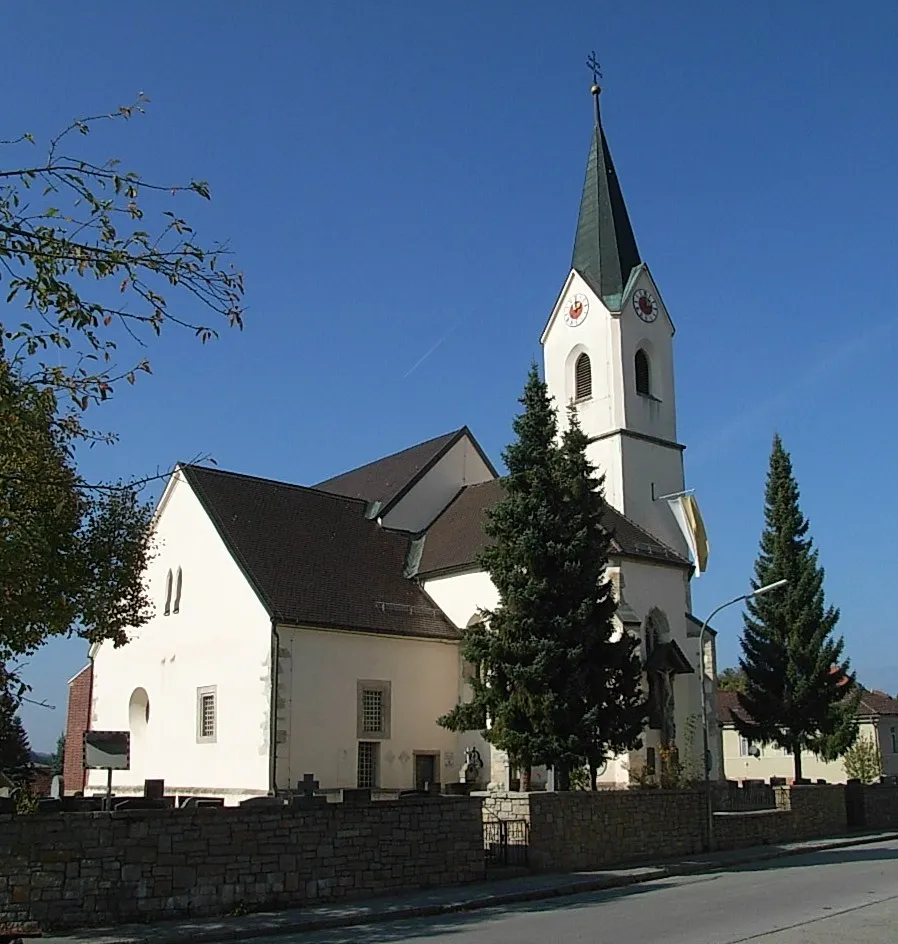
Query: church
316,629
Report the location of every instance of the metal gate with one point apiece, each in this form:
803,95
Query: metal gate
506,842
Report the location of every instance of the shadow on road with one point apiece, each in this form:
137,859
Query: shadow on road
871,853
466,922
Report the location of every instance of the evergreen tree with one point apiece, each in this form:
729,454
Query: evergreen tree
800,693
557,684
513,646
15,751
598,670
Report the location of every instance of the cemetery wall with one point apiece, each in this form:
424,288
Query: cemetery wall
872,805
81,869
584,830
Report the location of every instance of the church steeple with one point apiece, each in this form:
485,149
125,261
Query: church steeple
605,250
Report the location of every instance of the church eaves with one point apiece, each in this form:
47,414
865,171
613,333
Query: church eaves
605,251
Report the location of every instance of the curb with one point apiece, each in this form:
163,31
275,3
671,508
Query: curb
219,935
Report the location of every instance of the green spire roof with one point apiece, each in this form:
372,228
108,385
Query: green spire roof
605,250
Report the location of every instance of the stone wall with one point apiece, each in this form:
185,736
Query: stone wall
80,869
872,805
582,830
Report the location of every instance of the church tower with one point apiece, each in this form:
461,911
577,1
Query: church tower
608,348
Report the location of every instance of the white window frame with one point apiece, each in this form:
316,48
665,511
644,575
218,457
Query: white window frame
201,694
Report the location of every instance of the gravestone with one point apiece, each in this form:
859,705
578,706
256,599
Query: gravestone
356,795
263,803
56,787
200,802
154,789
142,803
49,805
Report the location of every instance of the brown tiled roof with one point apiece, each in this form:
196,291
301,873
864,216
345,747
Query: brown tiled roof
727,706
314,558
457,537
872,704
384,479
877,703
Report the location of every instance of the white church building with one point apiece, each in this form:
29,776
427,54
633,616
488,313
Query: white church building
316,629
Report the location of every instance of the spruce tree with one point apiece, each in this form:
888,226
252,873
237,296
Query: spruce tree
799,691
513,647
15,751
599,672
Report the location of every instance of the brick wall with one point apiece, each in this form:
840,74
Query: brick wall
81,869
77,722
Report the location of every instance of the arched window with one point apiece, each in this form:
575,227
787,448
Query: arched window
177,605
643,373
582,378
167,594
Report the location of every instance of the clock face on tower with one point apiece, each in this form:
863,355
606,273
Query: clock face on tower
645,305
575,311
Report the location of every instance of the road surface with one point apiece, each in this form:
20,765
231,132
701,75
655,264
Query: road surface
846,895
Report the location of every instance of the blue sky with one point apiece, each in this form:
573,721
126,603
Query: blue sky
401,179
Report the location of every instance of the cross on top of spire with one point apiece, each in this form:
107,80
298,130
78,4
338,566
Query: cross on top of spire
594,67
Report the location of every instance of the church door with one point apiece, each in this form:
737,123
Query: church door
425,771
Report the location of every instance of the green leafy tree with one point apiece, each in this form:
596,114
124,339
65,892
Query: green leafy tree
90,254
15,751
731,680
598,671
800,693
863,761
72,558
94,261
58,763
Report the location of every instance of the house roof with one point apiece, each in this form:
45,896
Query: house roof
386,479
454,541
605,251
873,704
314,558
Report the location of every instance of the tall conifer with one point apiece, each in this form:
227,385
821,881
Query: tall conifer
599,672
800,693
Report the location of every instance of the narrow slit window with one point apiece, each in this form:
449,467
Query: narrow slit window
643,374
582,378
367,764
168,582
206,715
178,580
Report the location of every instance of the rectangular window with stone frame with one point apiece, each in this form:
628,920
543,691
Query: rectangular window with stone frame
373,710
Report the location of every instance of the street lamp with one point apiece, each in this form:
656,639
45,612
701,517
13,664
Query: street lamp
709,807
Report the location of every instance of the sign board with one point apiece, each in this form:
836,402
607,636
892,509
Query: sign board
107,750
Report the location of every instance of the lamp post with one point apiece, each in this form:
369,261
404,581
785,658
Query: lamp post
709,806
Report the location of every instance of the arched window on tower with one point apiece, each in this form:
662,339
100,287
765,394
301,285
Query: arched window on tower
582,378
643,373
168,583
178,580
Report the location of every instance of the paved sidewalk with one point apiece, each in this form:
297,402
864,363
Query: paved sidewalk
442,900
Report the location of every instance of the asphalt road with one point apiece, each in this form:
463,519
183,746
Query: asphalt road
821,898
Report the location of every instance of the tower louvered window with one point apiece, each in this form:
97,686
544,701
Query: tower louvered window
582,378
643,373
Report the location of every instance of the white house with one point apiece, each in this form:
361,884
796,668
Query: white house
316,629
